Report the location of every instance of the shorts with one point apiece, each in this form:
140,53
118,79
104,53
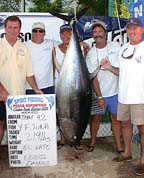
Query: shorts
95,107
111,104
48,90
133,112
2,111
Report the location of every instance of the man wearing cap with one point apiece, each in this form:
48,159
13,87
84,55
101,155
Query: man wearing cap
131,90
104,83
41,51
59,51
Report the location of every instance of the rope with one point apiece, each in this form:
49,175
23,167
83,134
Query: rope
74,19
75,9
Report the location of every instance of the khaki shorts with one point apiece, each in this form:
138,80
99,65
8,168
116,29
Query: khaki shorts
135,112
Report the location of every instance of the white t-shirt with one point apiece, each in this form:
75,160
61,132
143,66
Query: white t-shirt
107,80
59,57
131,76
42,63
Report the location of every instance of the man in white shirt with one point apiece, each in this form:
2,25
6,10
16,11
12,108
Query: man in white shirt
131,90
41,52
104,83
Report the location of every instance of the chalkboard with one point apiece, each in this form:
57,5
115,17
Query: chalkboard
31,130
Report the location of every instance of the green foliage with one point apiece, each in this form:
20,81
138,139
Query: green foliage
10,6
45,6
122,9
99,7
96,7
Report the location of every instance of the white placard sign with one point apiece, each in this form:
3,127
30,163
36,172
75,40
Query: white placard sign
31,127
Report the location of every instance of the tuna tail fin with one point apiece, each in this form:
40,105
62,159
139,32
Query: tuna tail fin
68,18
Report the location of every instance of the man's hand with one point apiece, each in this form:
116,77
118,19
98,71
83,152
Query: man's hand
101,103
32,81
38,91
105,63
3,93
85,46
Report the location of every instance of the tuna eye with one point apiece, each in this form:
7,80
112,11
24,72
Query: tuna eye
74,137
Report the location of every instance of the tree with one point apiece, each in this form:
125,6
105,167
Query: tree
10,6
96,7
45,6
122,10
99,8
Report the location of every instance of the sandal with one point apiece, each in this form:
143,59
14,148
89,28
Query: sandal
60,145
121,158
139,169
119,151
90,148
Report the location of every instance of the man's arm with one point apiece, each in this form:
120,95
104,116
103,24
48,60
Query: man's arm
114,70
3,93
32,81
97,90
85,46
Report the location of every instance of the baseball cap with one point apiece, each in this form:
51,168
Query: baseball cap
99,23
134,21
65,27
38,25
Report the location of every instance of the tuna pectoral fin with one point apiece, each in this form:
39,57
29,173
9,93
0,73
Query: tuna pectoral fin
95,73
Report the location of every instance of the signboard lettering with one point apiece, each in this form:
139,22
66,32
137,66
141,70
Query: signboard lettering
31,121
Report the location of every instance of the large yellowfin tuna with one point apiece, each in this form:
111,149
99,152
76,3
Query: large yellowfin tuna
73,93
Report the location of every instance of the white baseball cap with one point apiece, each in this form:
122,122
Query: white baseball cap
99,23
38,25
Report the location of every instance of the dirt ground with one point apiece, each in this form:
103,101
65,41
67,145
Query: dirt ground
77,163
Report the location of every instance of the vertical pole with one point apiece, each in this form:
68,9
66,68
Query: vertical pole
22,5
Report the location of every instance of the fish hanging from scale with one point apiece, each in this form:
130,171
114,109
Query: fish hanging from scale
73,95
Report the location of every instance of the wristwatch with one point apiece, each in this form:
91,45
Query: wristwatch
99,97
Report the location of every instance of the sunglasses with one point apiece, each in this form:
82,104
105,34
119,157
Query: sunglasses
40,31
129,56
